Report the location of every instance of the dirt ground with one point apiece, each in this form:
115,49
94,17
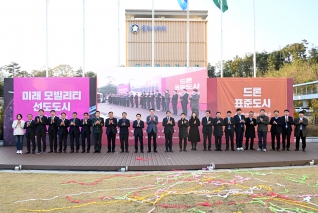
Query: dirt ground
275,190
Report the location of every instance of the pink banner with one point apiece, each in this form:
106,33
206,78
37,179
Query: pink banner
60,94
123,88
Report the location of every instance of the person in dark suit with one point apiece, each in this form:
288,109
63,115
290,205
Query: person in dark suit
136,100
239,129
74,132
207,123
175,102
218,131
287,122
52,130
30,134
148,98
123,125
183,125
142,100
163,99
194,134
194,102
276,130
97,123
184,101
250,124
168,123
111,131
262,128
40,130
138,125
229,123
63,124
158,99
152,130
127,97
152,100
167,100
301,124
131,99
86,124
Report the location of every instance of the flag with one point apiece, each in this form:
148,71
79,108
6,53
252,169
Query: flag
183,4
224,4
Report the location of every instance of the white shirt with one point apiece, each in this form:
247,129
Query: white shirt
18,128
301,126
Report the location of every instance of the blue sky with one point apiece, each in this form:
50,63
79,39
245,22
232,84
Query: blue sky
22,29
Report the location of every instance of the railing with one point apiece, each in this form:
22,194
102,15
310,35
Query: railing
305,91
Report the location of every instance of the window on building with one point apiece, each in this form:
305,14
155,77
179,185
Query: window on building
167,65
157,65
177,65
137,65
147,65
196,65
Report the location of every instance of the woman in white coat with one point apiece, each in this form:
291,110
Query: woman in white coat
18,133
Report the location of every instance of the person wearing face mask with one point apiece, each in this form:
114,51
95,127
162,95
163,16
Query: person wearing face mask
300,132
183,125
262,128
18,132
30,134
194,102
250,124
52,130
287,121
276,130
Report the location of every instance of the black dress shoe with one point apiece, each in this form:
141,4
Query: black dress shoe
215,150
148,151
171,150
141,151
65,151
246,148
72,151
180,150
127,151
203,149
304,150
166,151
136,151
288,149
60,151
209,149
278,150
83,151
155,151
272,150
76,151
27,152
50,152
33,152
121,151
95,151
55,151
184,150
296,149
232,149
226,149
108,151
113,151
252,149
220,149
87,151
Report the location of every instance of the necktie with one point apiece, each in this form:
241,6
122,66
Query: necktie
286,120
301,126
229,119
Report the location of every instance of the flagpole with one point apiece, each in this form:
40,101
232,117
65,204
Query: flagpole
47,40
83,38
188,36
118,44
221,38
254,57
153,36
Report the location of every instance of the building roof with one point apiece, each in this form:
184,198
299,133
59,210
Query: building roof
169,14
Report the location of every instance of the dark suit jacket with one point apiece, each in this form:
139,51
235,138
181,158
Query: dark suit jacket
218,127
238,123
226,123
250,128
138,130
63,129
152,125
297,127
86,128
183,128
40,126
52,126
289,121
74,129
276,128
168,128
98,128
111,127
207,128
185,98
175,99
30,130
124,129
262,126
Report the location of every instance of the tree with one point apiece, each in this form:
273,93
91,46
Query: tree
13,68
63,70
109,88
314,106
211,71
23,74
79,72
91,74
1,88
261,62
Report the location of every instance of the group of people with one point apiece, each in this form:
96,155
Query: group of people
188,131
158,101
